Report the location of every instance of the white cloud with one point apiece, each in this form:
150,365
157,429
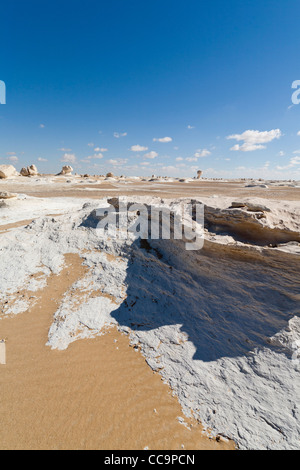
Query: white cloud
190,127
298,133
254,140
69,158
145,163
164,140
179,159
169,169
202,153
117,135
117,162
247,147
13,158
91,144
40,159
151,155
65,150
293,163
42,126
138,148
97,156
11,153
98,149
282,153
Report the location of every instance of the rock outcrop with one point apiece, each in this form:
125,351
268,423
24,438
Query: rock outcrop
6,195
199,174
30,171
7,171
66,171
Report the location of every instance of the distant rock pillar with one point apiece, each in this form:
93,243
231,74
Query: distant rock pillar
199,174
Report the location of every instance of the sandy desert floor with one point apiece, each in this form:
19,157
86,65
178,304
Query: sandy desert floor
96,385
99,394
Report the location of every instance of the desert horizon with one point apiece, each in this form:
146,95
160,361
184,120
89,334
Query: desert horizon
251,238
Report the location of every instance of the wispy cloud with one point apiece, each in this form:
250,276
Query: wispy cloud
138,148
163,140
247,147
254,140
96,156
201,153
69,158
117,135
151,155
98,149
40,159
117,162
294,162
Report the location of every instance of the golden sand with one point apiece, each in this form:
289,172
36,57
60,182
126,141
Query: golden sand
98,394
201,188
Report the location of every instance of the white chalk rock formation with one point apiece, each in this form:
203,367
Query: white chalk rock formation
7,171
7,195
230,332
30,171
199,174
66,171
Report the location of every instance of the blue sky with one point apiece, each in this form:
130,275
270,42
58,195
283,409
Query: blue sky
151,87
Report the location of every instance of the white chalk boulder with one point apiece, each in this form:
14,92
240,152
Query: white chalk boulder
7,171
66,171
30,171
6,195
